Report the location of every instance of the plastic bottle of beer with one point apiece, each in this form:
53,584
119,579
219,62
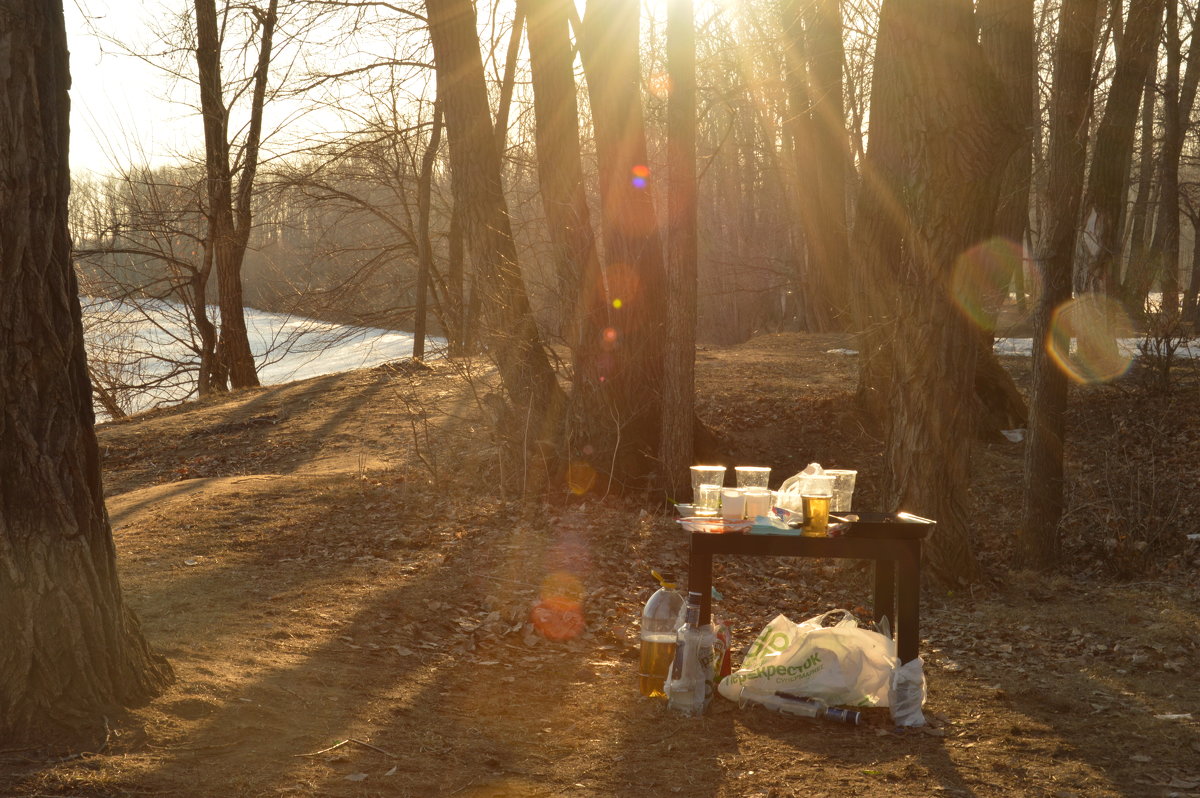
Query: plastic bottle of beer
689,684
660,624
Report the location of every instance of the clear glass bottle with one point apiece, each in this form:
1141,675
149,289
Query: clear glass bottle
660,625
689,685
804,707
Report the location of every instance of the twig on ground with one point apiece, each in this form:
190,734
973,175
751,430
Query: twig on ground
345,742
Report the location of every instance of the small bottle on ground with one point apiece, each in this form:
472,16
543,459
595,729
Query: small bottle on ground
689,684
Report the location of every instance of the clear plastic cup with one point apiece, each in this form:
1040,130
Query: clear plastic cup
752,476
708,500
843,488
706,475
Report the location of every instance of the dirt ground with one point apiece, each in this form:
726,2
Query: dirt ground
346,599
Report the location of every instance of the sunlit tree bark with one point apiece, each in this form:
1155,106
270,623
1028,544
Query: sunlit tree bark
72,649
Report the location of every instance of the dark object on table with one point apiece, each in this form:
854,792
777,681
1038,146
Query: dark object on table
886,525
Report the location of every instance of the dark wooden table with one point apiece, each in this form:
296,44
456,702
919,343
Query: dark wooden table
894,546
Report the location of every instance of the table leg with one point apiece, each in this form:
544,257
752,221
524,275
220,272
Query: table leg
885,591
908,636
700,579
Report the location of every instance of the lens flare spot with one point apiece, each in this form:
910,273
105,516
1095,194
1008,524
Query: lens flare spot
641,176
580,478
558,613
1084,338
610,335
982,276
659,84
617,303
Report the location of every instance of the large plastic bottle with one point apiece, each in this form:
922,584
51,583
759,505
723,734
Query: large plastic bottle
660,623
689,685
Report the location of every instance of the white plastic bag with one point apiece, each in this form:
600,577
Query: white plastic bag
908,693
843,664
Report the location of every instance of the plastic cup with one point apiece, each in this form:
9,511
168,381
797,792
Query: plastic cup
758,502
752,476
706,475
708,500
843,489
733,504
816,492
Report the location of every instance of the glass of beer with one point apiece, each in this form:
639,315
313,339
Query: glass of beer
816,491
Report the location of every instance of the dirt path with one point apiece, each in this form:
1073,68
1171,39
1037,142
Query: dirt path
312,583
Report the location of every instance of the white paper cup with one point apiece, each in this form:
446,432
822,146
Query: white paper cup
733,504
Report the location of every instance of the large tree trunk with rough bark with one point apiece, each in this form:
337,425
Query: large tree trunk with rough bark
948,138
72,650
1038,542
508,327
618,382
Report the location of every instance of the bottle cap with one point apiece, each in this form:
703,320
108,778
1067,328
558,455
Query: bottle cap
665,578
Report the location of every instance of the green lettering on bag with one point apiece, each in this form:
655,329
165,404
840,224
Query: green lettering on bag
804,670
771,641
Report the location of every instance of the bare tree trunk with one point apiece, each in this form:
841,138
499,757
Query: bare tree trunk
424,247
1006,36
817,313
72,649
509,327
229,225
456,288
947,137
1105,194
508,82
679,373
1177,107
618,385
560,170
1139,261
831,154
1038,543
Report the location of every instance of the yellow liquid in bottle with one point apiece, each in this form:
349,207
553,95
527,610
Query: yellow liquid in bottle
657,652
